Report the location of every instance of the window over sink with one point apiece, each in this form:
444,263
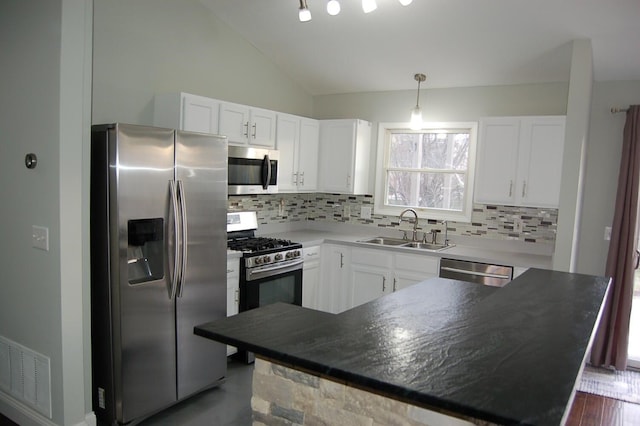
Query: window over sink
430,170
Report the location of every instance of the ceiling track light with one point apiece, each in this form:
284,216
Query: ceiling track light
333,7
304,14
369,5
416,122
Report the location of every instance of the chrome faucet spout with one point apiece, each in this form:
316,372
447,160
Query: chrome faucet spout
446,226
415,222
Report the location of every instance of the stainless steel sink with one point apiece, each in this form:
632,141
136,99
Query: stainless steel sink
427,246
399,242
385,241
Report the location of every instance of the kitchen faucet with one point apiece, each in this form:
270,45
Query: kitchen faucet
446,226
415,222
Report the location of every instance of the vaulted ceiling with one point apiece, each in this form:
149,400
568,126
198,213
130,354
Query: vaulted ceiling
456,43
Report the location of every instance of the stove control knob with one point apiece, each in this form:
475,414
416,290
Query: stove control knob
296,253
277,257
258,260
266,259
289,255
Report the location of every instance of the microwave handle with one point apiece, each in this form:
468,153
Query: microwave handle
266,176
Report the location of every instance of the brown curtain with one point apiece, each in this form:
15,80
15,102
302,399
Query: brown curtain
612,338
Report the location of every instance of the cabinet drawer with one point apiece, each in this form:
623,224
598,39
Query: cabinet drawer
418,263
378,258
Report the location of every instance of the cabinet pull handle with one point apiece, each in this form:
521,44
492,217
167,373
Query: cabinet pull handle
295,178
384,283
246,129
230,271
394,285
510,187
237,294
348,181
341,260
254,130
302,178
524,188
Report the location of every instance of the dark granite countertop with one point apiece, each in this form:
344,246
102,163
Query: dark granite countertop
508,355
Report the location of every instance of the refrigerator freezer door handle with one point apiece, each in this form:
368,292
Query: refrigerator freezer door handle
176,240
183,222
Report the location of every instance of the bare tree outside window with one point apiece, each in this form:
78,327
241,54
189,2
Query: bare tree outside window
427,169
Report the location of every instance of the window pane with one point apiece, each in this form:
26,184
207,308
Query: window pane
445,150
404,150
441,191
427,190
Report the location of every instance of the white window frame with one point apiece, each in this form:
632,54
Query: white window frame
382,159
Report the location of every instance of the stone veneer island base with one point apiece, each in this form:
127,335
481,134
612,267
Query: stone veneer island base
510,355
286,396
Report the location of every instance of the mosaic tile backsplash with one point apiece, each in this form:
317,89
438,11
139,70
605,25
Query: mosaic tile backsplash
525,224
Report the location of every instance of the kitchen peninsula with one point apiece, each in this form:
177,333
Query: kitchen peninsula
478,354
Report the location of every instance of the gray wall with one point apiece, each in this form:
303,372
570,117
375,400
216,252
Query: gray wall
603,163
45,86
145,47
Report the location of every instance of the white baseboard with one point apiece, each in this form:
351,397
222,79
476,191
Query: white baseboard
25,416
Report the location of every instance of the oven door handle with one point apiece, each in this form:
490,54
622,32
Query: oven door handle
266,271
266,172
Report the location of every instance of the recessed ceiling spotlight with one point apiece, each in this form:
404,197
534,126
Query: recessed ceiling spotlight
333,7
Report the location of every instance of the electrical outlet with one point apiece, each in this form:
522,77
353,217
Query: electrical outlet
365,212
517,224
346,211
40,237
607,233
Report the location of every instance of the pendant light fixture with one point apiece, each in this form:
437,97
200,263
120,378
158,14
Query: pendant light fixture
333,7
416,113
304,14
405,2
369,5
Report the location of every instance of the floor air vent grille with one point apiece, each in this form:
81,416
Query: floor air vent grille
25,375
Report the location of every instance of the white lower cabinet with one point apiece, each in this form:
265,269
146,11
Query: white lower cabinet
333,291
311,276
233,293
374,273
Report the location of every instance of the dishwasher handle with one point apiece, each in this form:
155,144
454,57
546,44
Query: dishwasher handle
482,274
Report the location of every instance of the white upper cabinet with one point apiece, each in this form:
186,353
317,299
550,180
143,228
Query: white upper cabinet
243,125
519,161
297,141
345,147
185,111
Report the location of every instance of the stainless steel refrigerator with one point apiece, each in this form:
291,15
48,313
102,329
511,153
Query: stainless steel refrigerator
158,267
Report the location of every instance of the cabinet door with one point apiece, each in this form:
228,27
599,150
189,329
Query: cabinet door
234,123
367,284
308,155
332,291
411,269
541,151
287,143
497,160
262,130
310,282
199,114
337,147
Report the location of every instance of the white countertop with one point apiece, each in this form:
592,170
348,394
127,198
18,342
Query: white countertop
308,237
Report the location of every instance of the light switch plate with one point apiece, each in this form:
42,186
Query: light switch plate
40,237
607,233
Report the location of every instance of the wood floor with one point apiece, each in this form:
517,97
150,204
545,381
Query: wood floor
594,410
587,410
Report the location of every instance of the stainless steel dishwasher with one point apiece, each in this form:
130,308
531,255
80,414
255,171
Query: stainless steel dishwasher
476,272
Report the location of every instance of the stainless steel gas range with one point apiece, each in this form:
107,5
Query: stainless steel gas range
270,268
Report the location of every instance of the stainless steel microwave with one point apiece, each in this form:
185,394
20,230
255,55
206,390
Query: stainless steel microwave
252,170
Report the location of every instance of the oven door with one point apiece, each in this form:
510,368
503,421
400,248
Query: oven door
252,171
270,284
